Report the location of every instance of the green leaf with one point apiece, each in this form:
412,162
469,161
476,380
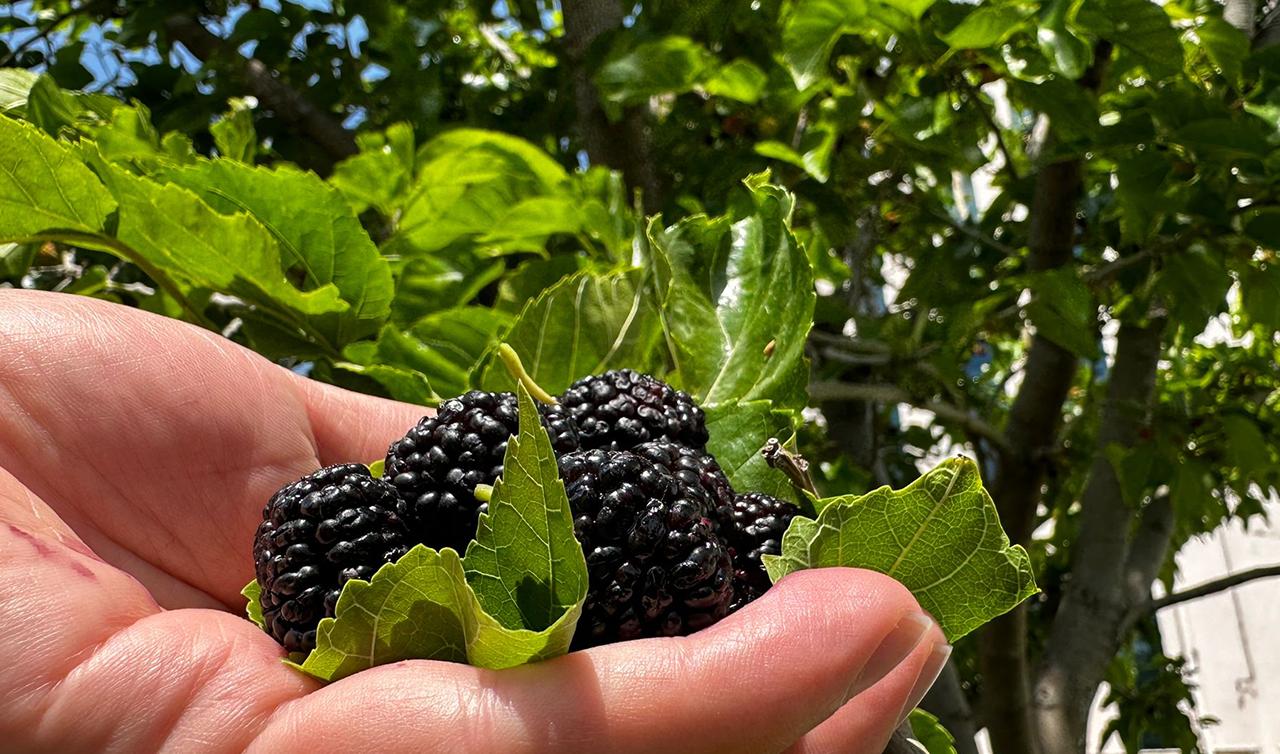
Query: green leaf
585,324
1246,444
1067,53
468,184
253,603
814,155
740,80
235,136
173,231
1195,284
437,281
1263,226
1225,137
459,338
985,26
517,600
811,30
50,108
321,240
43,187
377,468
738,432
531,278
15,259
940,537
432,360
527,225
730,288
1139,195
419,607
1260,296
1226,45
403,384
15,85
672,64
929,733
1133,468
1063,311
380,175
525,565
913,8
1140,27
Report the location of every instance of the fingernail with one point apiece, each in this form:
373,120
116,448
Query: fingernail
893,649
928,674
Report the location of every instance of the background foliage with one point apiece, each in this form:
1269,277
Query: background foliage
1041,232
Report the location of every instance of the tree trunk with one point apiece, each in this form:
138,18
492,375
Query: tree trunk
947,702
1097,602
624,145
1031,432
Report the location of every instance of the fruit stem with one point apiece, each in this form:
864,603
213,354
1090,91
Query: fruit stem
795,467
483,492
516,367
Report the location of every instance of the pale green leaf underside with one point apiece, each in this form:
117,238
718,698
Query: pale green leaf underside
421,607
253,605
940,536
525,564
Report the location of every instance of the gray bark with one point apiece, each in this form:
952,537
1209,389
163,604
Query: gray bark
947,702
1097,603
624,145
1030,434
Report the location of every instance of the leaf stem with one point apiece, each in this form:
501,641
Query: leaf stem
516,367
795,467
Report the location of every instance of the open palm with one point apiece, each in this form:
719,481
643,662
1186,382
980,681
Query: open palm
136,453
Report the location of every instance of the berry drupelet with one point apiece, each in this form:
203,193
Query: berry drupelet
317,533
620,409
437,465
752,526
656,566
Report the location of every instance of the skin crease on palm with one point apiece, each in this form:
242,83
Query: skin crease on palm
136,453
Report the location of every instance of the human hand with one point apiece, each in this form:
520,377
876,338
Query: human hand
136,453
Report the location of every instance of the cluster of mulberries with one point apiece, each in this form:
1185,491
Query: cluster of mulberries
670,547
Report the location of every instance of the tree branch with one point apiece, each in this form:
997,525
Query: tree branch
41,35
1087,628
947,702
1147,554
1217,585
880,393
286,102
624,145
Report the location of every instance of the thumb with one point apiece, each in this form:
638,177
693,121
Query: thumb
353,428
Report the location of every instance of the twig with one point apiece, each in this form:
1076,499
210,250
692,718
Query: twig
848,391
43,34
795,467
976,96
973,233
1215,586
